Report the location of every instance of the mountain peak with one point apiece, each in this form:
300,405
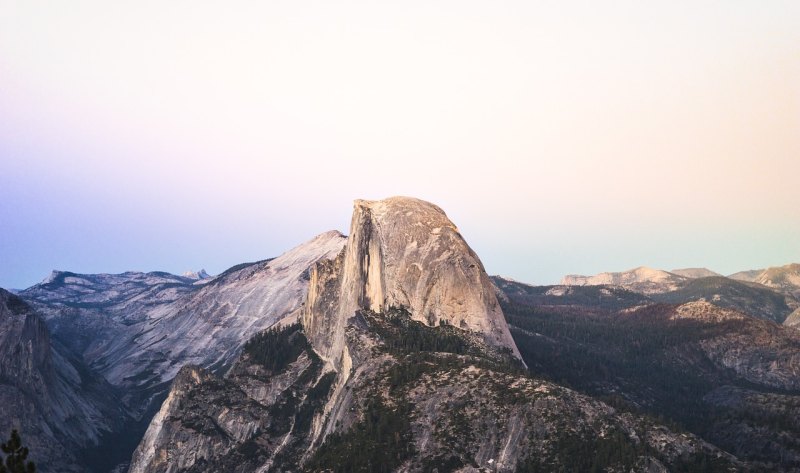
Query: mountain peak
403,252
695,273
196,275
793,320
642,279
52,277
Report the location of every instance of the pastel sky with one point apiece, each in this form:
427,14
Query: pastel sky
560,136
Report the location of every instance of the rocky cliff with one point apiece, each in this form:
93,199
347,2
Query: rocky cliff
60,408
402,252
403,362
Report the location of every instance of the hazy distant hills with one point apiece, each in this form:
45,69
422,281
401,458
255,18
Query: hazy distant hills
726,376
768,293
695,272
749,298
642,279
783,278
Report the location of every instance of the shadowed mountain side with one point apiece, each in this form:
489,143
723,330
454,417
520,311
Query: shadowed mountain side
695,366
61,409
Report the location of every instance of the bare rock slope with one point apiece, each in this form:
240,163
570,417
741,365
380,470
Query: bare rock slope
403,360
138,329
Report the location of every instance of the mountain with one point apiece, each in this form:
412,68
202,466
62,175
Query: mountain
402,361
597,297
748,276
754,298
750,298
643,280
136,330
783,278
727,377
197,275
208,326
695,273
95,315
60,407
403,252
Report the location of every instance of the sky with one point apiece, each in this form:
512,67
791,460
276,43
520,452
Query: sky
560,136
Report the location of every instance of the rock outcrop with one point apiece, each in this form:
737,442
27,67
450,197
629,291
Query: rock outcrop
402,252
793,320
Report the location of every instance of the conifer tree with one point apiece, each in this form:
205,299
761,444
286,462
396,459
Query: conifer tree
16,456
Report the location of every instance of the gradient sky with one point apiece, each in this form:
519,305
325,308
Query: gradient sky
560,136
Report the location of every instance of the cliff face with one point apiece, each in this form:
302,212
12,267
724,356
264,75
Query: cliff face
403,252
137,330
59,407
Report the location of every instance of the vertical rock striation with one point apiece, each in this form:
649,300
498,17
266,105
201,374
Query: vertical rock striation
402,252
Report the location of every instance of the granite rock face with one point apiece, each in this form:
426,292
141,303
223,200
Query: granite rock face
59,407
403,252
138,329
793,320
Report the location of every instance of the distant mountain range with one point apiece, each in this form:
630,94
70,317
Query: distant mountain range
391,349
770,293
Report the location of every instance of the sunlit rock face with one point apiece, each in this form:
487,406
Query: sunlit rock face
793,320
402,252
